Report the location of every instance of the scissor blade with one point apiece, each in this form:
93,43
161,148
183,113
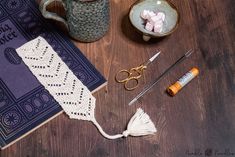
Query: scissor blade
155,56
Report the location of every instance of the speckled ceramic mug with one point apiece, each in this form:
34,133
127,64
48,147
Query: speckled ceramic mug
86,20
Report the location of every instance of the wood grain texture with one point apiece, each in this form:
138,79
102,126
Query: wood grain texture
198,121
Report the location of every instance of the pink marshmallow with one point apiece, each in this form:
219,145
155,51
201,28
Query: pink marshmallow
154,19
151,13
158,27
146,14
149,26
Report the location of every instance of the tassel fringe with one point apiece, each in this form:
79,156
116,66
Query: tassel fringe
139,125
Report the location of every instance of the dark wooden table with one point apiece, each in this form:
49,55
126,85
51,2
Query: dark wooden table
198,121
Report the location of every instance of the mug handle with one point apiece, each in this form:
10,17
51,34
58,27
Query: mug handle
50,15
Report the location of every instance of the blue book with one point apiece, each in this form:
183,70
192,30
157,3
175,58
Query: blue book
24,103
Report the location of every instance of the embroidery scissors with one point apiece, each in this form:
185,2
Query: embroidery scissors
131,77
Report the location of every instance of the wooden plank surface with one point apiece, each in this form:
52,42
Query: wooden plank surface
198,121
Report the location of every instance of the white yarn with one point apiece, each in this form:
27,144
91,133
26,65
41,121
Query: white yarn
140,124
74,97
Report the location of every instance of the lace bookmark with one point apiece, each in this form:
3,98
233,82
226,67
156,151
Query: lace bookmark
74,97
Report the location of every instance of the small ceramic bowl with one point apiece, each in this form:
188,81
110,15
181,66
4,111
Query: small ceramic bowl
169,25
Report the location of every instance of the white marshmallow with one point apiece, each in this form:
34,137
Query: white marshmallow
144,14
161,15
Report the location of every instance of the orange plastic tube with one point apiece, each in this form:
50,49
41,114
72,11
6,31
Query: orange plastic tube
184,80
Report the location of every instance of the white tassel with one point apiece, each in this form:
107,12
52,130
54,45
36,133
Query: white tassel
140,124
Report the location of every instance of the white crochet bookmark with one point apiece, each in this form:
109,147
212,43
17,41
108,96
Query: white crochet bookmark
74,97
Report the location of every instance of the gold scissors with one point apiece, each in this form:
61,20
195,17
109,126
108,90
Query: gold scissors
131,77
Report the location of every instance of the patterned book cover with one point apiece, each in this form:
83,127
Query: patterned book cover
24,103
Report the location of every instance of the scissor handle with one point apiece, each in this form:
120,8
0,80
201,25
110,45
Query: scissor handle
122,72
137,72
130,74
129,84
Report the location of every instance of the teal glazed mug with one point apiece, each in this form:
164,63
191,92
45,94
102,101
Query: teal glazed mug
86,20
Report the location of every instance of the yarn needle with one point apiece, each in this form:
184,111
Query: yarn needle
148,87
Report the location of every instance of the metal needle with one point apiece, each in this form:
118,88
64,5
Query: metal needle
147,88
